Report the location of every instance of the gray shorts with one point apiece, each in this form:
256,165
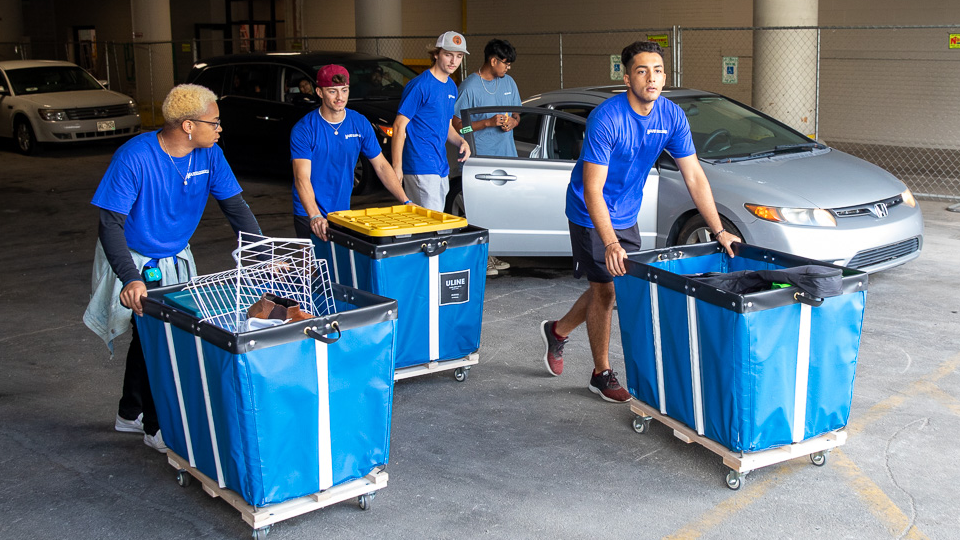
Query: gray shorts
427,190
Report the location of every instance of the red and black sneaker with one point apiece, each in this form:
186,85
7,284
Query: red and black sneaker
607,386
553,356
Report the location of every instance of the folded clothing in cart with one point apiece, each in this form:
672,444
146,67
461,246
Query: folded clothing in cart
814,280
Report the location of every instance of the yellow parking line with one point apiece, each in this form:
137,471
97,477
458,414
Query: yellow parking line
750,493
879,503
945,399
876,500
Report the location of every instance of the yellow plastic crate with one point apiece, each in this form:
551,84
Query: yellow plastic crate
400,220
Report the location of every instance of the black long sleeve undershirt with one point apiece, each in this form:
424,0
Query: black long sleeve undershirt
114,242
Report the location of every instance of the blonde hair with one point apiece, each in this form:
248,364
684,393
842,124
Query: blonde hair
186,101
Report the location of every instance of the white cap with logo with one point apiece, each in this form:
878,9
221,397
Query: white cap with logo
453,42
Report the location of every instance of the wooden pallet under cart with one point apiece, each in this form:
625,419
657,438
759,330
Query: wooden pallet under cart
740,463
363,489
461,367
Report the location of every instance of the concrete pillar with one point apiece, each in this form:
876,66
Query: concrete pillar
785,62
11,28
379,18
153,56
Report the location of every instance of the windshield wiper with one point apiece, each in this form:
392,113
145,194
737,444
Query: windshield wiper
798,147
781,149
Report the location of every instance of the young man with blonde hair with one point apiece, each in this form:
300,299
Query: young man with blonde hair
151,200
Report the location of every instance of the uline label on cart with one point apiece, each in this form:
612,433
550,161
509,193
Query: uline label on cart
455,287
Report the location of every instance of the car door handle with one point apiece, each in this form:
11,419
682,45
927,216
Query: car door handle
268,118
495,177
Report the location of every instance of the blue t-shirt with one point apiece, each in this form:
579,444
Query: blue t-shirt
628,144
333,157
476,92
162,209
428,103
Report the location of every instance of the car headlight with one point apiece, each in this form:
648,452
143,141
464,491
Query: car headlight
132,107
53,115
816,217
908,198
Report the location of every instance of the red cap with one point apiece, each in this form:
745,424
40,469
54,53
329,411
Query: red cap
326,74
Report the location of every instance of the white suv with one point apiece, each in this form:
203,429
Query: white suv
48,101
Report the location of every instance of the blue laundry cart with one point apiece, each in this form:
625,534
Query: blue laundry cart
281,420
433,264
757,377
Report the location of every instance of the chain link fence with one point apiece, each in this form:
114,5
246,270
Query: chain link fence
884,94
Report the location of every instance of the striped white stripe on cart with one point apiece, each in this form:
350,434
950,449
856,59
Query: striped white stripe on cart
176,381
333,258
206,401
434,303
658,352
324,453
694,332
803,372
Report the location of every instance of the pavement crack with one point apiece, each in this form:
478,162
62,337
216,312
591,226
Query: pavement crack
886,465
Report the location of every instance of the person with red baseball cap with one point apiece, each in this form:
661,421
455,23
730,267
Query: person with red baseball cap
324,147
424,117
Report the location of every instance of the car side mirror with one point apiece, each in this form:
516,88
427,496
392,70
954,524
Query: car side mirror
105,84
666,161
4,91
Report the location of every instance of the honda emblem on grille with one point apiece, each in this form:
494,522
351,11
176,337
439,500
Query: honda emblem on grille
100,112
880,210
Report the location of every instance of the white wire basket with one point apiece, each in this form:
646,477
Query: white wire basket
284,267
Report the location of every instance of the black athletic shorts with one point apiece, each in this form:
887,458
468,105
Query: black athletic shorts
589,255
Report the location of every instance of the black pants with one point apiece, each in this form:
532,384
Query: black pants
137,397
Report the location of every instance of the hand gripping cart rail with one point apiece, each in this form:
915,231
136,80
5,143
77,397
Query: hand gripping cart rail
757,378
433,263
282,420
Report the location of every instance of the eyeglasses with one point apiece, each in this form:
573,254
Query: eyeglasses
214,124
504,62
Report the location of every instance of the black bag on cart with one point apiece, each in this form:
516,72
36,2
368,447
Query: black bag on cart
816,282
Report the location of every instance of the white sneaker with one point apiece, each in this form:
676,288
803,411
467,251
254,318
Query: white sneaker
491,271
129,426
155,442
497,263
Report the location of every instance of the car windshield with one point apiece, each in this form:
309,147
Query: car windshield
43,80
725,130
377,79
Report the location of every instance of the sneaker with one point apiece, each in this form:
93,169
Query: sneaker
497,263
491,269
129,426
155,442
553,355
608,387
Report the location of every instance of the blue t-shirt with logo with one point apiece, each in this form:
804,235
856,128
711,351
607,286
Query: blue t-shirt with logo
162,197
628,144
476,92
428,103
333,150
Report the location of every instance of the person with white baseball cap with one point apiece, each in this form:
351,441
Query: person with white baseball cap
424,117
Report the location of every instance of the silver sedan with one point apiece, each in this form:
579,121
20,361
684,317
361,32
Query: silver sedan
774,187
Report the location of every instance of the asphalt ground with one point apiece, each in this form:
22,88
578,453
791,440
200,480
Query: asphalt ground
511,453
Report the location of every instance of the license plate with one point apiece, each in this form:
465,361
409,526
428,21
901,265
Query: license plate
107,125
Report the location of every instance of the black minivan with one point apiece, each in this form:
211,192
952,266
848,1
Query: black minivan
262,96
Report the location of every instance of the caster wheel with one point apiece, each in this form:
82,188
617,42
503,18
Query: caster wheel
461,374
818,458
261,533
366,500
184,478
641,424
734,480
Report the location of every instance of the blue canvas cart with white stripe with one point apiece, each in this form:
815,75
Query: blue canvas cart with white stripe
753,372
438,279
283,417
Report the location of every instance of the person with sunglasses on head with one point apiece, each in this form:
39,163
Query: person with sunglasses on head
151,200
423,126
491,86
324,147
